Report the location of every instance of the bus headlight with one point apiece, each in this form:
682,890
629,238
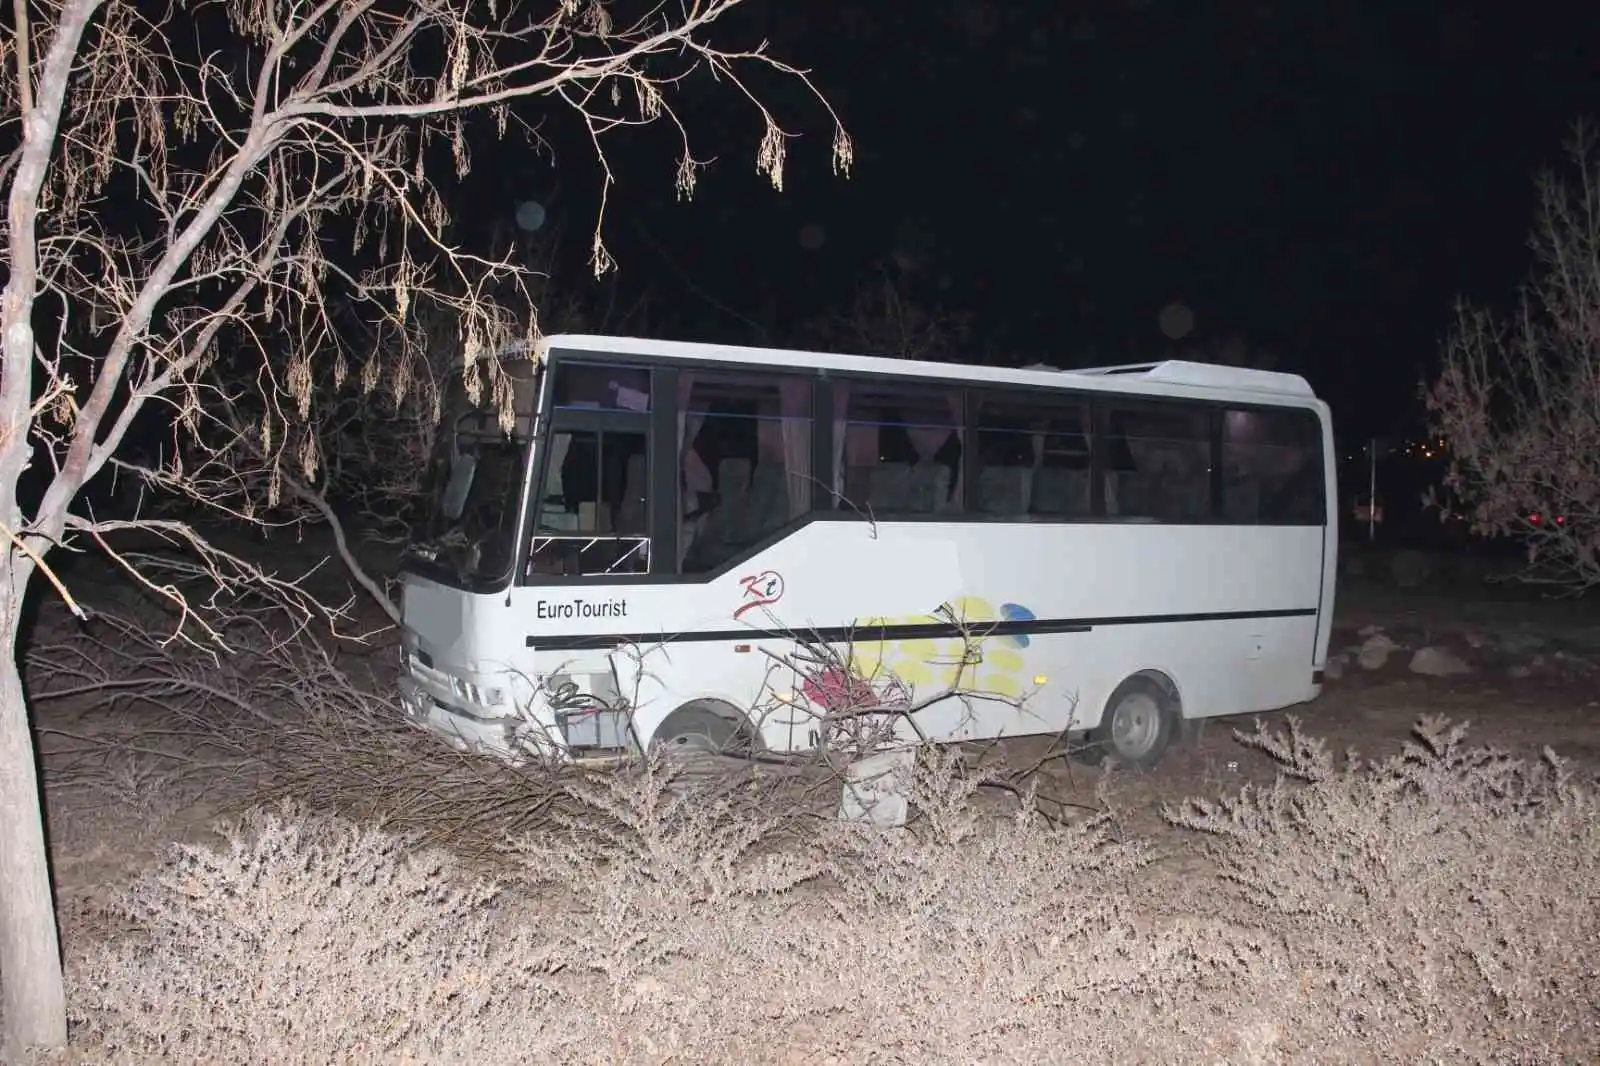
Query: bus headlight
482,697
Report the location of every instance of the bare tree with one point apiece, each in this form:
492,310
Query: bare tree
885,319
190,195
376,446
381,477
1517,402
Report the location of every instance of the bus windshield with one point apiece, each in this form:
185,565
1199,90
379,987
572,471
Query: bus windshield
475,489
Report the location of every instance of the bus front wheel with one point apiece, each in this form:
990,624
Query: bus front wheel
1138,724
700,730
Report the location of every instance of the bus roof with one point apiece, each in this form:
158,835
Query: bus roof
1182,375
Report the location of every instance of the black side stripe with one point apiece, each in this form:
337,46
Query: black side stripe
919,631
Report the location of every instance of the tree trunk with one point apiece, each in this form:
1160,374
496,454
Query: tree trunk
32,991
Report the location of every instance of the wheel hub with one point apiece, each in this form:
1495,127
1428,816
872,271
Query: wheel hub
1135,725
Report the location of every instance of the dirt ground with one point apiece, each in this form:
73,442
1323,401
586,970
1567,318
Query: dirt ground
1534,682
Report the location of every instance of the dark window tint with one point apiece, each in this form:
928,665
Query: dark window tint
1272,470
744,454
1032,457
1158,462
897,448
601,387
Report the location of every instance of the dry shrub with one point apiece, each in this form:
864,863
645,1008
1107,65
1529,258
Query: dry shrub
313,940
1011,938
1367,912
1441,904
668,925
277,716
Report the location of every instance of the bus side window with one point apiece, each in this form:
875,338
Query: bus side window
1158,462
744,452
591,507
1272,471
1033,457
897,448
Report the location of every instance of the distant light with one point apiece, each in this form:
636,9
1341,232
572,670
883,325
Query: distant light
530,216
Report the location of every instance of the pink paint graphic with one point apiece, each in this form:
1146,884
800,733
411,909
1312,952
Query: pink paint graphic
836,691
760,590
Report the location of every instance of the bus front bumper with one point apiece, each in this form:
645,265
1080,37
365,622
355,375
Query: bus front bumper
589,738
461,730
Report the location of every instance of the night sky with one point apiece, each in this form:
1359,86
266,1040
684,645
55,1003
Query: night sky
1320,180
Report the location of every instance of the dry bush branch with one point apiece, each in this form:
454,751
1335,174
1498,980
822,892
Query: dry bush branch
1518,399
885,320
1389,919
209,587
1399,891
436,973
647,940
284,718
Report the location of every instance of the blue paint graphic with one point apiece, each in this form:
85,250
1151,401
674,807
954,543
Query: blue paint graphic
1015,612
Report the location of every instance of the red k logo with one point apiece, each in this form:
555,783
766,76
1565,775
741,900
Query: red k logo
760,590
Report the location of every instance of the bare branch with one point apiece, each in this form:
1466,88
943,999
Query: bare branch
232,169
886,320
1517,403
44,567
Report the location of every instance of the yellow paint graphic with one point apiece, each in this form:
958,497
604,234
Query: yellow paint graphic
975,662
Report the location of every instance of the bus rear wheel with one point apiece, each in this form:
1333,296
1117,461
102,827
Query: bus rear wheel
1138,724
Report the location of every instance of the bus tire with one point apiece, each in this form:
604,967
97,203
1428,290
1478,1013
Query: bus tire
703,729
1139,723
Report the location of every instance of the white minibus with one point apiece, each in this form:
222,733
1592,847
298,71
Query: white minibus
742,549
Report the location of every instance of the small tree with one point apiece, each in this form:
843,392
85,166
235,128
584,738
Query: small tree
885,319
1518,401
191,192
